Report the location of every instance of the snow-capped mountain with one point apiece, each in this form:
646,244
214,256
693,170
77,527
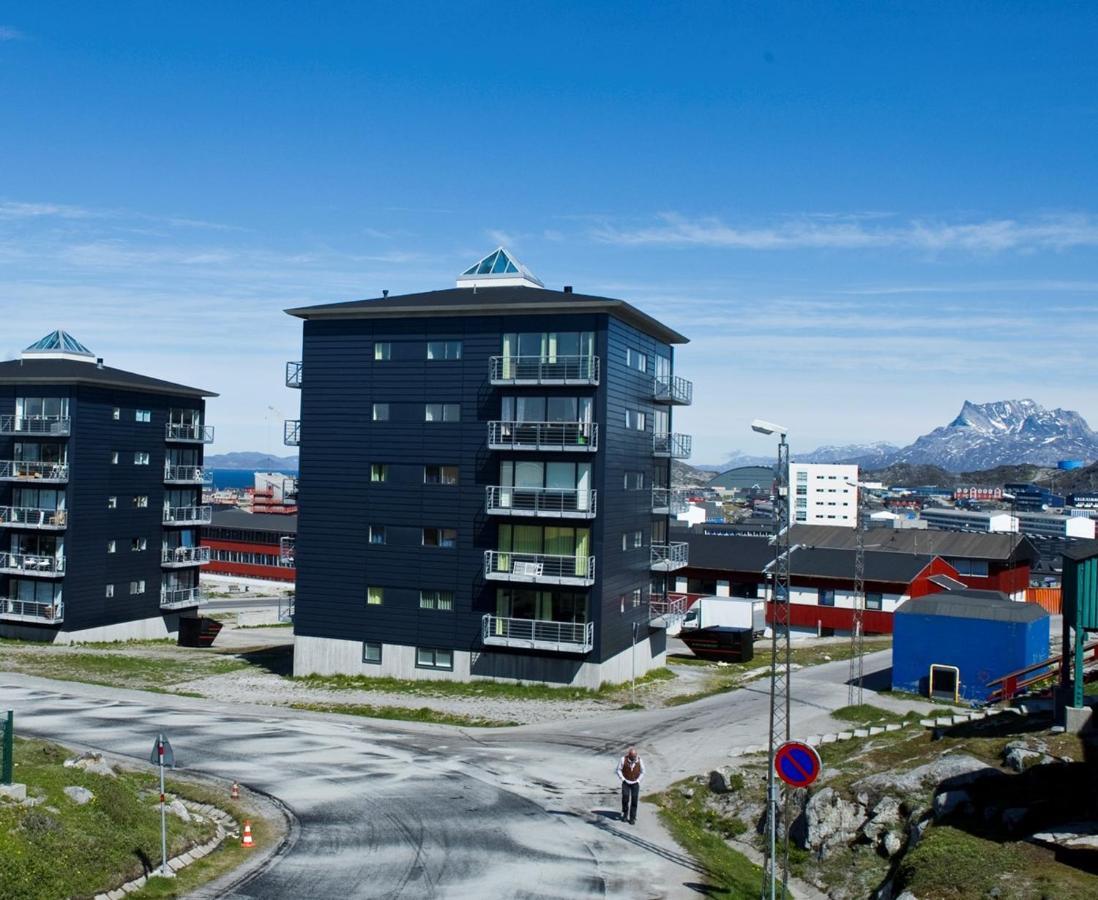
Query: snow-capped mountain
867,456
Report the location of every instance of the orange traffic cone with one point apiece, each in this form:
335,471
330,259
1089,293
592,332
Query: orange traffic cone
246,839
234,794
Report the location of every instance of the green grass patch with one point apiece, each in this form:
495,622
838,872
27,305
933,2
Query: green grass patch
864,714
120,669
404,714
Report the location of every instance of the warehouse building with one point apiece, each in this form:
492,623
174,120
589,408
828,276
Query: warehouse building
251,545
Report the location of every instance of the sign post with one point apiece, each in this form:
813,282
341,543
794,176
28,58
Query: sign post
162,755
798,765
7,751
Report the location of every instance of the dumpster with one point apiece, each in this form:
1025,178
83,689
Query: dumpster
197,631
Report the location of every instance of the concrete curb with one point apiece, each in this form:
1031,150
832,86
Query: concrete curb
957,718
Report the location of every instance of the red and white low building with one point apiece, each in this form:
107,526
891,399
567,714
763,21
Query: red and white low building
251,545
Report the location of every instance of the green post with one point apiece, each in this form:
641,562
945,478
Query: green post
9,748
1077,676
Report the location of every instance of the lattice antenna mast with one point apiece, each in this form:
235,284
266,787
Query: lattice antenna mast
854,692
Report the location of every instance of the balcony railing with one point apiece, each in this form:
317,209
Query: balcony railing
291,432
174,557
544,370
22,470
668,502
538,634
669,557
188,515
190,434
286,545
48,425
547,502
187,475
293,375
286,608
180,598
668,612
538,568
575,437
27,611
32,564
672,389
675,446
33,517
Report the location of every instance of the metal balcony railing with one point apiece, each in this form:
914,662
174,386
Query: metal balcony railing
575,437
675,446
668,612
286,546
669,557
672,389
187,475
184,556
538,634
547,369
293,375
187,515
51,425
291,432
181,598
191,434
538,568
32,564
543,502
22,470
27,611
33,517
286,608
668,502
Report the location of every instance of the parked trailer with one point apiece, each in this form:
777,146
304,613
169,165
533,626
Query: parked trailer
745,613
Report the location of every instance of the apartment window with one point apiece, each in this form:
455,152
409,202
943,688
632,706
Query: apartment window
441,600
636,360
111,546
374,596
802,515
110,591
632,540
112,503
138,544
430,658
440,537
383,350
371,652
634,481
141,501
802,478
114,457
137,587
440,474
379,472
116,414
635,420
381,412
637,597
825,596
141,458
444,349
874,601
142,415
377,534
442,412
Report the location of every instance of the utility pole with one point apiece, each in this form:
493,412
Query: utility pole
854,694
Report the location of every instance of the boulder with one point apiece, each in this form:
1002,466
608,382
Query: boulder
885,815
177,809
1021,758
891,844
91,762
718,782
14,792
79,795
688,793
957,767
830,822
947,802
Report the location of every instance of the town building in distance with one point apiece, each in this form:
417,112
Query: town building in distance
823,494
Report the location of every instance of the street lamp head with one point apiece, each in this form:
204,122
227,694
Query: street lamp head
764,427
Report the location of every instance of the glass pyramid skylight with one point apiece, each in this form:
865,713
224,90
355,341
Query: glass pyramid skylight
59,345
498,269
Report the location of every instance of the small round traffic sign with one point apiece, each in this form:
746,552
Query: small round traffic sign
797,763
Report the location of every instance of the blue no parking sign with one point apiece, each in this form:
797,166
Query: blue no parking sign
797,763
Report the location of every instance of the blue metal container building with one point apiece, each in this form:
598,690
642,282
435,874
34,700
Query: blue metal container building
980,635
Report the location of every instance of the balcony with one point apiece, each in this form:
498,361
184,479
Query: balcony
44,472
187,515
293,375
33,517
180,557
189,434
50,426
520,370
181,598
32,564
187,475
668,502
667,611
571,437
672,390
539,568
672,446
548,503
538,634
669,557
27,611
291,432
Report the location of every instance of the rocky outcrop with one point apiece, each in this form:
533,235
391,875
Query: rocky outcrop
91,762
78,795
830,822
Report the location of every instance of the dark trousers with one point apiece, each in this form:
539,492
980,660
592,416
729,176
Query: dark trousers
629,795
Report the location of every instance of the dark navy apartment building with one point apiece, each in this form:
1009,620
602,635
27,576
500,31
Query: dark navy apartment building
484,482
100,497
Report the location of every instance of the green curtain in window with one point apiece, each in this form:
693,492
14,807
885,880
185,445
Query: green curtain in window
583,549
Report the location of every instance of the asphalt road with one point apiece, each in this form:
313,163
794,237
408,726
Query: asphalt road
392,809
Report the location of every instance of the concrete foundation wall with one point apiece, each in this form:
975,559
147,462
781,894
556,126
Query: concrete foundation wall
157,628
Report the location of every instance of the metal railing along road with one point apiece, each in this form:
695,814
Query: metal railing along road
32,564
291,432
504,500
293,375
538,634
52,425
538,568
30,611
191,434
187,475
32,517
672,389
181,597
544,370
24,470
675,446
576,437
668,501
668,557
188,515
184,556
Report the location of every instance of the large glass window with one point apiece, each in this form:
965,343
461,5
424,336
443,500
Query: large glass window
42,408
549,346
547,409
444,349
554,606
40,452
440,600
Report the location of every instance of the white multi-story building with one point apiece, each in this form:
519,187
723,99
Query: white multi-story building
823,494
991,520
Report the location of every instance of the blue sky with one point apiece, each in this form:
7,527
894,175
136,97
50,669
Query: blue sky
862,213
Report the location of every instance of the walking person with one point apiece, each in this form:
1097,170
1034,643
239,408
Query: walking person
630,770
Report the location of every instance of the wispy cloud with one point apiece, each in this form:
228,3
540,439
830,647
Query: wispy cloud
1048,232
12,210
7,33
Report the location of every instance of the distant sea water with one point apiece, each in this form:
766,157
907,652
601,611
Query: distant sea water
241,478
